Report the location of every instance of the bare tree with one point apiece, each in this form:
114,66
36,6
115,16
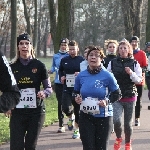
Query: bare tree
132,10
35,34
148,23
13,45
27,17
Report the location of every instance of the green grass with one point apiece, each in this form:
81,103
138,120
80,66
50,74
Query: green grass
51,109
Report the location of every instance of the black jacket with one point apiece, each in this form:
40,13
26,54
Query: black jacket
9,92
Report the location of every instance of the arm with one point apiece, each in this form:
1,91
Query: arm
109,67
10,95
53,65
46,84
135,76
61,72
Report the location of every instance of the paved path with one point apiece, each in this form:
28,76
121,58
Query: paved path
50,140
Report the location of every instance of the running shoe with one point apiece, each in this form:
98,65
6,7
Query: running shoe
76,134
117,144
61,130
137,122
128,146
70,124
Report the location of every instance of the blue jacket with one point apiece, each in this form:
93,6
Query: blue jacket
56,63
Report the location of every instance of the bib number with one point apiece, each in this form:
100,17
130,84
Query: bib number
70,80
90,106
28,98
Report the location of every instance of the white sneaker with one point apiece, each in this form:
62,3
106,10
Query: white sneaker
61,130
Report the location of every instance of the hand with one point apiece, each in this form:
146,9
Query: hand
8,114
63,79
103,103
128,70
78,99
41,95
76,73
49,72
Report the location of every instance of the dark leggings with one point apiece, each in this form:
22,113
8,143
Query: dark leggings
148,85
95,131
139,101
68,109
25,130
58,91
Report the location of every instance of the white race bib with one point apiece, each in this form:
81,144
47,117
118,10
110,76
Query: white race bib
70,80
90,105
28,98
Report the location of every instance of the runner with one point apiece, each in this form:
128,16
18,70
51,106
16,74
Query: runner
140,56
147,50
111,47
127,72
58,85
91,92
9,92
28,117
68,70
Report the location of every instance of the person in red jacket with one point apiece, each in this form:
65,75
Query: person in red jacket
140,56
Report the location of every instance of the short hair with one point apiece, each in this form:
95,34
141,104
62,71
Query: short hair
134,38
73,43
91,48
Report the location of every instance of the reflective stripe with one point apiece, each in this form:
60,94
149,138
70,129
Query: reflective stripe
9,70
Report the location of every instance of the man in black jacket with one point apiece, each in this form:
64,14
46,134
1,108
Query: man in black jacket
9,92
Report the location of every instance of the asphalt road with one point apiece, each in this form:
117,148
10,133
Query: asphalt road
50,140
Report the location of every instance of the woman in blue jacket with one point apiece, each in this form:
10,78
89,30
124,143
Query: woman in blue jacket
91,91
58,85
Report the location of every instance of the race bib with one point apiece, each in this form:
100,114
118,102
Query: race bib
28,98
90,105
70,80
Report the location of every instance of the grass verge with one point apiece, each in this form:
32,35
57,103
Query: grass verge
51,117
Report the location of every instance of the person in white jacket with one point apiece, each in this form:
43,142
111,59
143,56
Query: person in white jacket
127,72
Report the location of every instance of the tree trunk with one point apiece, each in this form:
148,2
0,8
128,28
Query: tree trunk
71,20
132,12
35,34
13,44
52,11
148,23
62,30
27,17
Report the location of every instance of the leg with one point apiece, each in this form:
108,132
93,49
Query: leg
148,85
35,124
76,110
103,131
17,131
87,131
128,113
138,102
58,91
117,111
67,107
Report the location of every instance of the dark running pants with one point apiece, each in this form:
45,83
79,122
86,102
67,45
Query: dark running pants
148,85
95,131
59,91
25,130
139,101
69,106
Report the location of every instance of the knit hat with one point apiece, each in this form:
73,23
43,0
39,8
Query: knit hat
147,44
64,40
134,38
24,36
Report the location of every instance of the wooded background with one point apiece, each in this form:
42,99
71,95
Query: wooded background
86,21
